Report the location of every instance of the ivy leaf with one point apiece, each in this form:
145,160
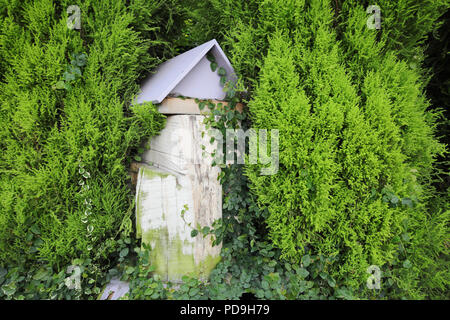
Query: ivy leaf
231,94
75,70
394,200
67,86
407,202
405,237
306,260
3,272
123,252
194,233
331,282
40,274
222,72
194,291
302,272
344,293
205,230
68,76
210,57
79,60
185,278
9,289
407,264
35,229
213,66
59,85
148,292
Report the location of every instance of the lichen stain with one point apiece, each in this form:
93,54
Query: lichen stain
170,263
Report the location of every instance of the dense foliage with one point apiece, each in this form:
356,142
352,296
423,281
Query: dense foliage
358,147
64,104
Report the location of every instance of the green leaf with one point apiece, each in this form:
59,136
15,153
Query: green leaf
35,229
306,260
405,237
9,289
210,57
123,252
407,264
154,296
148,292
394,200
40,274
222,72
302,272
68,76
331,282
60,85
205,230
344,293
3,272
79,59
75,70
407,202
194,233
194,291
213,66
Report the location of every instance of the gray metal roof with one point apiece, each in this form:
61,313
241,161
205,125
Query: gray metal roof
192,67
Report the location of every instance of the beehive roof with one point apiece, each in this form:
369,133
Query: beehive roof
170,75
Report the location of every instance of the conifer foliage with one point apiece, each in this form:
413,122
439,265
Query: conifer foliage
358,143
64,105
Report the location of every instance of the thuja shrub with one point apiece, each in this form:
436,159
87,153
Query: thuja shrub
424,233
356,145
405,24
67,128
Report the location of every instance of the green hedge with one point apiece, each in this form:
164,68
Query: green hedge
356,148
48,129
357,142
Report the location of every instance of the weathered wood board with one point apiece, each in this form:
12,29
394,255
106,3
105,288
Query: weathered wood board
177,174
172,105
